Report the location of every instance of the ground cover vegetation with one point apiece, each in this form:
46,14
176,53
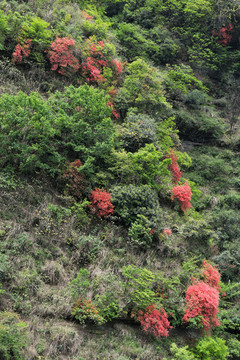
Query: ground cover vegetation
119,180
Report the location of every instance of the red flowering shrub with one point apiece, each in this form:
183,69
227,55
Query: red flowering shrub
174,168
84,310
22,50
167,232
224,35
76,180
183,194
101,202
154,321
99,67
86,16
61,56
202,304
211,275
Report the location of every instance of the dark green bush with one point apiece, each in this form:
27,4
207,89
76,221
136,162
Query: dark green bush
140,232
136,43
199,126
168,48
228,263
138,130
131,201
195,98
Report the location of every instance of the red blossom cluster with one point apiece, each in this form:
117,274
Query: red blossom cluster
101,203
224,35
83,310
174,168
97,64
114,112
85,15
167,232
211,275
61,56
202,303
76,180
22,50
154,321
183,194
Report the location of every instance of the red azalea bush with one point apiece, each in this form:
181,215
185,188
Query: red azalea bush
202,304
84,310
75,180
174,168
211,275
61,56
101,202
154,321
22,50
183,194
167,232
99,67
224,35
86,16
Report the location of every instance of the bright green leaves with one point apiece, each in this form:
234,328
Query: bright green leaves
142,88
139,285
37,134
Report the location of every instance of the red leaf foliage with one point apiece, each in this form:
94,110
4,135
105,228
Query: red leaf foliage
76,180
202,302
101,203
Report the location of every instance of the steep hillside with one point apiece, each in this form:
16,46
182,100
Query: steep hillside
120,180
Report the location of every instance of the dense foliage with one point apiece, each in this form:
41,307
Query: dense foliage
104,217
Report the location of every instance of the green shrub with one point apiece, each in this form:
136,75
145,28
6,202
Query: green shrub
198,232
140,232
80,285
84,311
37,30
182,353
233,348
108,306
3,29
167,46
12,336
226,223
5,267
195,98
181,80
108,292
41,135
139,284
137,131
84,248
131,201
142,88
135,42
209,348
229,264
195,126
